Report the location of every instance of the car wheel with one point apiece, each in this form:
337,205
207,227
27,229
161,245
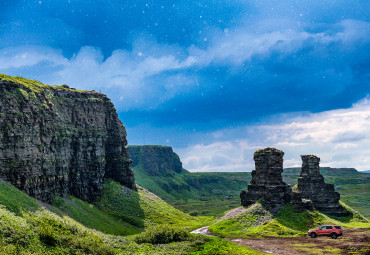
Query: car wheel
333,236
313,235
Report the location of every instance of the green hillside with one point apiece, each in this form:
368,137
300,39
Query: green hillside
257,221
214,193
71,226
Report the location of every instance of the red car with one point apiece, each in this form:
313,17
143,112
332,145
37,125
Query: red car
326,230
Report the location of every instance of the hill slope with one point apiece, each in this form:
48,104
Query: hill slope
72,226
214,193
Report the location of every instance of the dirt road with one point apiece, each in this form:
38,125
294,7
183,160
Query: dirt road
202,231
353,241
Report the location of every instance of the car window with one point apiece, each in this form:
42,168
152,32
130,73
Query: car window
338,227
329,227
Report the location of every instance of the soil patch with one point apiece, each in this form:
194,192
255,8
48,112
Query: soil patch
353,241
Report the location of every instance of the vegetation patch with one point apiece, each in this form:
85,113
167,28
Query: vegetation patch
316,249
221,246
90,216
258,222
161,234
143,208
15,200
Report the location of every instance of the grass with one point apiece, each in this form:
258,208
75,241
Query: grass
90,216
143,208
28,228
256,221
36,86
212,194
315,249
15,200
220,246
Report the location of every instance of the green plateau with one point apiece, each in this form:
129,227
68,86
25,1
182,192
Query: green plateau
213,193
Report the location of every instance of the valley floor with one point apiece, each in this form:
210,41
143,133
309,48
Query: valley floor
353,241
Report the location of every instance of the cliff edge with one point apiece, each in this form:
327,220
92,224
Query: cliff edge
58,140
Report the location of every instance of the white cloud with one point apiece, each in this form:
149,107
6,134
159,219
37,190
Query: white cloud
126,77
339,137
157,69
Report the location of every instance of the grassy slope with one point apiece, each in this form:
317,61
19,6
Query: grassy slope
256,221
352,185
214,193
196,193
28,228
37,86
143,208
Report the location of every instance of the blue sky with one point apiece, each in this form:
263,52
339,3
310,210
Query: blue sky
210,78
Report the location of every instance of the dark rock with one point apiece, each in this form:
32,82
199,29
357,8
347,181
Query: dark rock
311,185
157,160
57,140
267,181
300,204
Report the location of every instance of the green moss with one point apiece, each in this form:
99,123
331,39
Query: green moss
266,150
36,86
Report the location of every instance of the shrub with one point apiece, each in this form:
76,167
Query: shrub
161,234
14,229
219,246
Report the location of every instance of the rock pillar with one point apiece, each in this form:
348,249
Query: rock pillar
311,185
267,181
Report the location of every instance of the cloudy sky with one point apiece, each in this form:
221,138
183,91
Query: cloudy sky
216,80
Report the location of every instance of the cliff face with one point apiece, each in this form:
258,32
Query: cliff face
312,186
56,140
157,160
267,180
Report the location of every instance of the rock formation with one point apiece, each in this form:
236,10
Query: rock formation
267,181
57,140
311,185
157,160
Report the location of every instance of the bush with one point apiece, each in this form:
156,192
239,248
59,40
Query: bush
161,234
223,247
14,229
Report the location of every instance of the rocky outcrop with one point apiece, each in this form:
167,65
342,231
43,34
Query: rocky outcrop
57,140
300,204
155,159
267,181
311,185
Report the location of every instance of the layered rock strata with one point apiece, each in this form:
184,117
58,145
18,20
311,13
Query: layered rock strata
311,185
157,160
267,181
57,140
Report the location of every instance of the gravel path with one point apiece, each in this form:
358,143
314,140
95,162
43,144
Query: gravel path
202,231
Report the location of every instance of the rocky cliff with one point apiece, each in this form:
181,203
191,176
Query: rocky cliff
157,160
267,180
311,185
57,140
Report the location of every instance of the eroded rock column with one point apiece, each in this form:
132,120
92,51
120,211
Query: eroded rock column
267,181
311,185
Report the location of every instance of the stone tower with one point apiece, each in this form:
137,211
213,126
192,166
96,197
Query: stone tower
267,181
311,185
